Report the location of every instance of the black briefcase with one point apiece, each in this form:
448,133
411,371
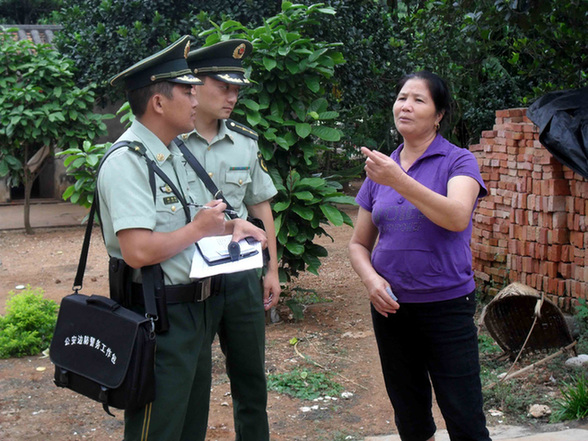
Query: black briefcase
101,349
104,351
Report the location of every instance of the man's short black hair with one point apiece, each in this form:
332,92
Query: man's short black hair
139,98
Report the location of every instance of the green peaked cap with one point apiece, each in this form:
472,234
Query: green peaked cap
222,61
168,64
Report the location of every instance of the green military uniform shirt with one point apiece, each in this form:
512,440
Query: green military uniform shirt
232,161
126,199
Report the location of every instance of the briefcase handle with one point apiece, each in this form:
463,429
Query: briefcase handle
103,302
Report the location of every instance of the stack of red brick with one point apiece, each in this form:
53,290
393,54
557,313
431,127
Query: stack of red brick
531,228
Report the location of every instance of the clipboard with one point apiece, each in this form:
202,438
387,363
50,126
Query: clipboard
250,257
220,258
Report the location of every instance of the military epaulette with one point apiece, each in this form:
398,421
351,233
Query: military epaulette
137,147
243,130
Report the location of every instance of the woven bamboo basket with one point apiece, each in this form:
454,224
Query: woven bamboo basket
510,315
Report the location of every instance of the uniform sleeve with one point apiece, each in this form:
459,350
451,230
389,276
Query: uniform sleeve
125,193
467,165
365,197
262,187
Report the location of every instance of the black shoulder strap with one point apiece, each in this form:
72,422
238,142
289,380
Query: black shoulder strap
147,272
242,129
78,281
204,177
155,168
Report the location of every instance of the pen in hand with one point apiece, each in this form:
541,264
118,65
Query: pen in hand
206,207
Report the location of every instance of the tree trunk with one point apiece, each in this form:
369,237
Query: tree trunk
32,169
28,187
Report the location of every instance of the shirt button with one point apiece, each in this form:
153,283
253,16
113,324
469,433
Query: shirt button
209,148
240,181
173,208
210,174
401,200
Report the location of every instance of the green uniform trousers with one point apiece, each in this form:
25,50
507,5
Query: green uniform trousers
183,379
239,318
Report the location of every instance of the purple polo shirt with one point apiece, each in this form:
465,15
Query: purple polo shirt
422,261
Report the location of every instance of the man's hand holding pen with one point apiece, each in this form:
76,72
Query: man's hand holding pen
206,207
211,220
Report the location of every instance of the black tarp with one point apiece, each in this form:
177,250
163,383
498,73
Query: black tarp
562,118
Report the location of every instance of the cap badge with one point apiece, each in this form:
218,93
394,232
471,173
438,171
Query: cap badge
239,51
187,49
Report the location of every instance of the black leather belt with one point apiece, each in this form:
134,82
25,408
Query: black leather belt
192,292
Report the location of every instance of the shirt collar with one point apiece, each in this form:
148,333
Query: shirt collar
439,146
157,149
223,132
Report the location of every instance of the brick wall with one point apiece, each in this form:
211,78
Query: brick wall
531,228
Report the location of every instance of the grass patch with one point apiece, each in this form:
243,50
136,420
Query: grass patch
304,384
573,404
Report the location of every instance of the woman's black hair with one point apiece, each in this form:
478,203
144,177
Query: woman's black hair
438,89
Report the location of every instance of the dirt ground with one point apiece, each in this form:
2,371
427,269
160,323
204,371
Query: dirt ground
335,334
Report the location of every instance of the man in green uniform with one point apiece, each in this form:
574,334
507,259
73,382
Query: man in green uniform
228,152
146,224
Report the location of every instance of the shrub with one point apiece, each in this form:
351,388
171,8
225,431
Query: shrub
27,327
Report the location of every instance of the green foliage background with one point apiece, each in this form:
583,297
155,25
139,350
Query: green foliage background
495,54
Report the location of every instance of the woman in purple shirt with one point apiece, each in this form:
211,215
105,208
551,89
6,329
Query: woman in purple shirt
417,205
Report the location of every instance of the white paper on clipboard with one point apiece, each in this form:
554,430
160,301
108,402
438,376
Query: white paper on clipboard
202,269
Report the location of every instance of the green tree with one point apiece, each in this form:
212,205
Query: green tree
497,53
104,37
26,11
288,105
292,75
374,61
41,110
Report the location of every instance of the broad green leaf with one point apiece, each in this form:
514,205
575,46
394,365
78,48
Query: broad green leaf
93,160
313,83
295,248
278,222
342,199
253,118
303,195
68,192
346,219
312,182
332,214
303,129
292,66
250,104
300,110
281,206
290,138
282,143
304,212
326,133
269,63
316,54
328,115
